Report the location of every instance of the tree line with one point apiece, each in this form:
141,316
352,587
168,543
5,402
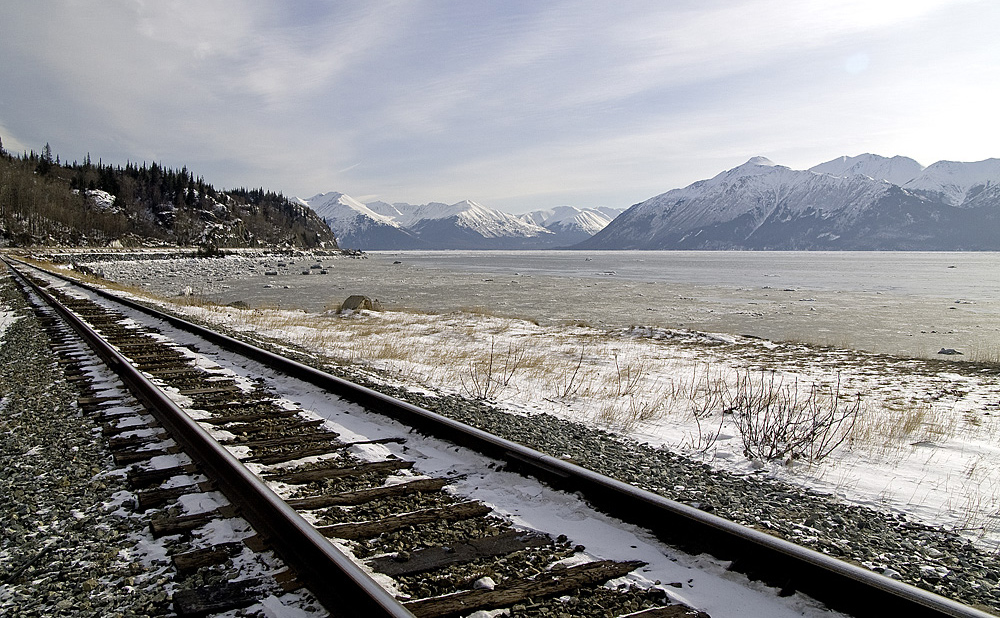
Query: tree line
45,201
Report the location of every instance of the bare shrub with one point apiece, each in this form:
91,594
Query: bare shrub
705,436
778,420
627,377
708,393
570,386
488,376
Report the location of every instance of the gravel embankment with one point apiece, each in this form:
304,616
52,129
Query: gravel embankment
66,544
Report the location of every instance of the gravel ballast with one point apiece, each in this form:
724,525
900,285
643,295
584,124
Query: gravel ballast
66,543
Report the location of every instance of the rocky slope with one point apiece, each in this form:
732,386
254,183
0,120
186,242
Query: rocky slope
45,202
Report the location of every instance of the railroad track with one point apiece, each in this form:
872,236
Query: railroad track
313,496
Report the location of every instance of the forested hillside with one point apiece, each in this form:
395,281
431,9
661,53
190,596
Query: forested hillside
44,201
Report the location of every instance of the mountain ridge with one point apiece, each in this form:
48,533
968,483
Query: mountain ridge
466,224
848,203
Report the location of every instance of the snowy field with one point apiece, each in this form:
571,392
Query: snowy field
911,437
902,435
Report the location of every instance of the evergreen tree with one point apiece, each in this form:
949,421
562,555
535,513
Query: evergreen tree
45,162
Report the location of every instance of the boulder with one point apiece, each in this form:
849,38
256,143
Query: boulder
358,302
949,351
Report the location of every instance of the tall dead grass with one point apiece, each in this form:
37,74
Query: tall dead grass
621,385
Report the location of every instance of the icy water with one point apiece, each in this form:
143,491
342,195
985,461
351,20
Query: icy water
911,304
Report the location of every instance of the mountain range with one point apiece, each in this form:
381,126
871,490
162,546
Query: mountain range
463,225
867,202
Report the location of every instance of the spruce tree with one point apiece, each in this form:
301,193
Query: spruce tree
45,162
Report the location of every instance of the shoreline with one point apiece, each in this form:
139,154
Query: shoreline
869,320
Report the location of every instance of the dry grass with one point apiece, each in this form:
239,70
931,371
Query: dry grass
987,356
623,383
899,422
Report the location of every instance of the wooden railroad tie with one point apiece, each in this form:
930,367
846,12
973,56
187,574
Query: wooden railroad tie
189,562
548,584
250,417
354,498
150,498
371,529
432,558
123,458
290,424
163,526
285,440
334,471
139,479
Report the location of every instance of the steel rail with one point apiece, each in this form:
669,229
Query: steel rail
775,561
342,587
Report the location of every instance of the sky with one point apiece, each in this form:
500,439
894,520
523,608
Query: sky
518,105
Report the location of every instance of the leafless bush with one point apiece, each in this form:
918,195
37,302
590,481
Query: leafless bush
778,420
571,385
708,393
627,378
704,437
490,375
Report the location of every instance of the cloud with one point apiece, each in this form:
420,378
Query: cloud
490,100
10,143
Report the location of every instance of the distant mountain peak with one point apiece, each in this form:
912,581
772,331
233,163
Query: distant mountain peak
866,202
956,181
895,170
463,225
570,221
335,206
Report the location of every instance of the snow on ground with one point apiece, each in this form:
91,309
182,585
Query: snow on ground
700,581
921,440
7,317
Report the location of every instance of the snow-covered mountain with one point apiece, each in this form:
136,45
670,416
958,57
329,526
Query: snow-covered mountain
896,170
957,182
590,220
355,225
864,202
468,225
470,216
571,224
463,225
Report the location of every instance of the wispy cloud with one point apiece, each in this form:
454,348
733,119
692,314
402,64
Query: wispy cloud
526,104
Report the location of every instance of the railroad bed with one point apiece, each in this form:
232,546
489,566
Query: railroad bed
374,516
